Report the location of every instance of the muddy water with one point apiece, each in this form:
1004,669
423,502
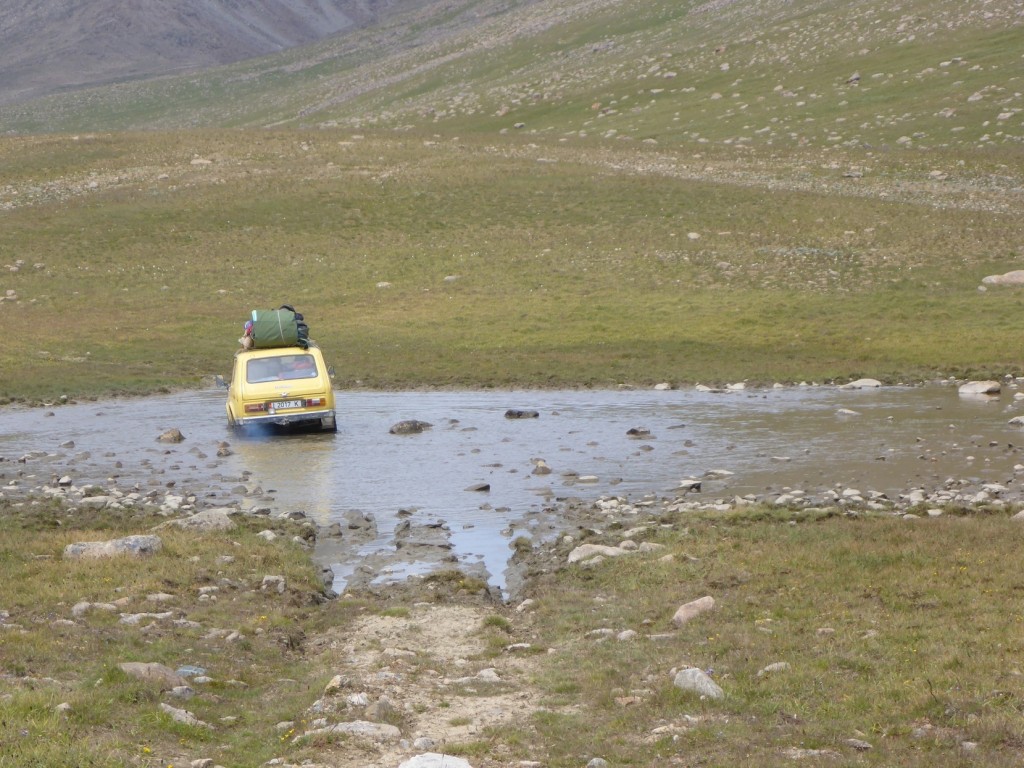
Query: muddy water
895,439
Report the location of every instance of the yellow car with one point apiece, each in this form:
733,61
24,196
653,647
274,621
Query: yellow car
283,386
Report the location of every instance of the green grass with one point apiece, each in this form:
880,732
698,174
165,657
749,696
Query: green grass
827,247
892,636
114,719
577,271
900,633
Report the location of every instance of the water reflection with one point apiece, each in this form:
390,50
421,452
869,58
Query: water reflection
301,464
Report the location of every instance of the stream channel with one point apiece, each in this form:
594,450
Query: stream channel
888,439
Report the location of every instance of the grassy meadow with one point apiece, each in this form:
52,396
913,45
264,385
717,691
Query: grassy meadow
113,719
900,647
890,646
549,193
465,262
538,194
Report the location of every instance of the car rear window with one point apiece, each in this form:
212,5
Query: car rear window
280,368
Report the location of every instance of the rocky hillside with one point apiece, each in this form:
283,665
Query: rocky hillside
54,45
773,73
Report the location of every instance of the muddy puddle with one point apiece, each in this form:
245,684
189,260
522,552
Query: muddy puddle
463,489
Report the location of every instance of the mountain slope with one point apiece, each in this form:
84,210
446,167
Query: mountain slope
820,73
50,45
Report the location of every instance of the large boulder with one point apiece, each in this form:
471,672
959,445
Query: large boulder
1016,277
980,388
135,546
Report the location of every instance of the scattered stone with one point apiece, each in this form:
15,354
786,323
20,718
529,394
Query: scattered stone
218,519
171,436
1016,277
153,672
381,710
273,583
692,609
376,732
184,716
697,681
409,427
862,384
78,610
138,618
588,551
980,388
136,546
527,604
434,760
797,753
778,666
516,414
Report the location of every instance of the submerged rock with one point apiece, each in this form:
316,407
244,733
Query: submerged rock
171,436
517,414
409,427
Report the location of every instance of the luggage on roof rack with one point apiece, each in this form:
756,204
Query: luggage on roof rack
282,327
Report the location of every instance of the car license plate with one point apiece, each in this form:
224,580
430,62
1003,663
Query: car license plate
285,404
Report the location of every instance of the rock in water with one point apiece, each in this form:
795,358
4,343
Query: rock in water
409,427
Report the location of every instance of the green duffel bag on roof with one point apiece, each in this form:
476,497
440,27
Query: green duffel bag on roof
274,328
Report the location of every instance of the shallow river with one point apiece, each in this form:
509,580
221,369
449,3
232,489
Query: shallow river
897,439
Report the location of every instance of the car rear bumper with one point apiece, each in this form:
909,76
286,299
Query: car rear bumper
283,419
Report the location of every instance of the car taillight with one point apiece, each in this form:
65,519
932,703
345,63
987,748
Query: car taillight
255,407
315,401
